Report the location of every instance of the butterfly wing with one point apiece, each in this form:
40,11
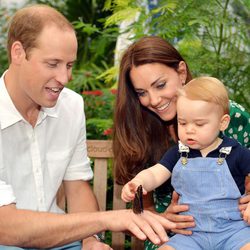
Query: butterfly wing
138,201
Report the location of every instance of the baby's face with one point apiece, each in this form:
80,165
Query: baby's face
199,122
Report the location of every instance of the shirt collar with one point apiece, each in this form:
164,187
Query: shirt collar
9,115
228,142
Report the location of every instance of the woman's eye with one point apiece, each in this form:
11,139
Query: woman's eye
161,85
140,94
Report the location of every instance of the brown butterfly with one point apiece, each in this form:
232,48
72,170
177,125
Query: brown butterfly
138,201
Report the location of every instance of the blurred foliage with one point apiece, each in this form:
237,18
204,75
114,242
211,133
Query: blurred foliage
5,15
99,113
213,36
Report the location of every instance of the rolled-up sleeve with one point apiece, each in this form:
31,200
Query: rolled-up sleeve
6,194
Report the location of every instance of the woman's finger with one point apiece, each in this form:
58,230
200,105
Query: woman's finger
179,218
181,231
245,199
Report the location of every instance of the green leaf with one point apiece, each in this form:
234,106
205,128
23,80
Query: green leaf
127,14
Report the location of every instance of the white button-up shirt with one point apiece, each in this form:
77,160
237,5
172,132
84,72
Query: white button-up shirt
34,161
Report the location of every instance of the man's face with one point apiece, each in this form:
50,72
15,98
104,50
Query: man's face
48,67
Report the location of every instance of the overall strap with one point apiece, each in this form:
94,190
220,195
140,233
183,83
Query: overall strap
224,152
183,150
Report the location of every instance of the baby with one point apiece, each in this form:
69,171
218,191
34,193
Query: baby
208,170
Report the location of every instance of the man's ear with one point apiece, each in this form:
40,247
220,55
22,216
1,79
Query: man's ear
17,52
182,70
224,122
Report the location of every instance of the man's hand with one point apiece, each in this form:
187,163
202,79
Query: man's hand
92,243
182,221
143,226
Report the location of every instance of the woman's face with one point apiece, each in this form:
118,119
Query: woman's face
156,85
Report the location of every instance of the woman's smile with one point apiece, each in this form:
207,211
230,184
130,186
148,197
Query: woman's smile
163,107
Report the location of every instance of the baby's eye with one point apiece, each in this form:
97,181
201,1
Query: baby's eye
200,124
181,123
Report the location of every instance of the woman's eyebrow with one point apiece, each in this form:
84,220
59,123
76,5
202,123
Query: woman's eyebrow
156,81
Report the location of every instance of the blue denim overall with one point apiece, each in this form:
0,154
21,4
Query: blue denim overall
207,186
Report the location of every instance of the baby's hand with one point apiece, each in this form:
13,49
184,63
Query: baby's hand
129,190
246,214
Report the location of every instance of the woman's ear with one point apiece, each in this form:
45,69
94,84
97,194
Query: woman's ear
17,52
225,120
182,70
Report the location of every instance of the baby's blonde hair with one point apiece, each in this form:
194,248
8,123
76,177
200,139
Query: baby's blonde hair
208,89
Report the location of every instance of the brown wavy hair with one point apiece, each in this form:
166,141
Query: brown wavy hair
140,137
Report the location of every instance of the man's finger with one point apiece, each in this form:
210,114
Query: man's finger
138,226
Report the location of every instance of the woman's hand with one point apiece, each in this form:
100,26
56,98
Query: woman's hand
243,201
182,221
246,214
